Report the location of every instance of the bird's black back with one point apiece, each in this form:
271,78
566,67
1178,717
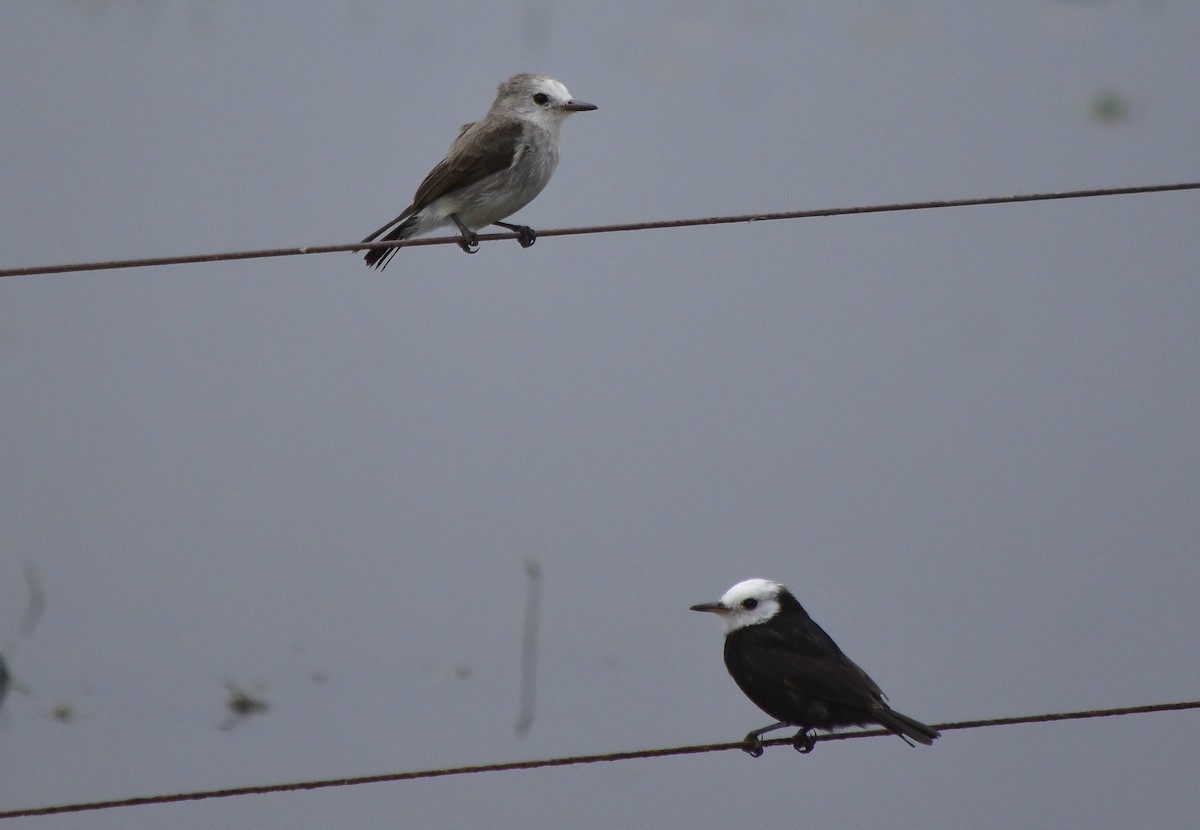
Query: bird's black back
796,673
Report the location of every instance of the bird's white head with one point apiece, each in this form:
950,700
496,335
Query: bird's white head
750,602
538,98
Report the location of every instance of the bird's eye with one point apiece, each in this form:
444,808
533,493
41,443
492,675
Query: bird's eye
750,604
541,99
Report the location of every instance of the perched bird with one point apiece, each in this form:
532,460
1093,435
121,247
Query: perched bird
792,670
494,168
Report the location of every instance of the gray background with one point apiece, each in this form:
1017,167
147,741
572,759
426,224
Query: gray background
969,440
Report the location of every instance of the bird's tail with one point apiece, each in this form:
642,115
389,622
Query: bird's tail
906,727
405,226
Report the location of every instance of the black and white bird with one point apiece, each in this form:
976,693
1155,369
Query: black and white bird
495,167
792,670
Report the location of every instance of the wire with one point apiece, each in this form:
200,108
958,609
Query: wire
591,229
572,760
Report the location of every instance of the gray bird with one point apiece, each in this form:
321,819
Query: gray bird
792,670
494,168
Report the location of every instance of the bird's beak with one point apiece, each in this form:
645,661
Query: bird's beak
578,106
711,607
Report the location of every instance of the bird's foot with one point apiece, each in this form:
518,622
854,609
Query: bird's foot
525,234
468,241
803,742
752,745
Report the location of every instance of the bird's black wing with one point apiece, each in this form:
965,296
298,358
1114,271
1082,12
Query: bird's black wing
801,657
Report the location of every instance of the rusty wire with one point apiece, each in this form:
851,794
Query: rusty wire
571,760
38,270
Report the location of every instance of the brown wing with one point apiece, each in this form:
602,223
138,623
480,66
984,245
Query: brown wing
478,152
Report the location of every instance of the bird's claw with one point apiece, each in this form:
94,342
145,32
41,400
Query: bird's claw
803,742
753,746
525,234
469,242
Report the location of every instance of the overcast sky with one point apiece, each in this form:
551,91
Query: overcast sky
967,439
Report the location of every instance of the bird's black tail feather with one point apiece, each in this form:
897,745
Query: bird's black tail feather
906,727
379,257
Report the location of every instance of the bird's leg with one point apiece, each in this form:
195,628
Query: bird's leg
525,234
752,743
468,241
803,742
